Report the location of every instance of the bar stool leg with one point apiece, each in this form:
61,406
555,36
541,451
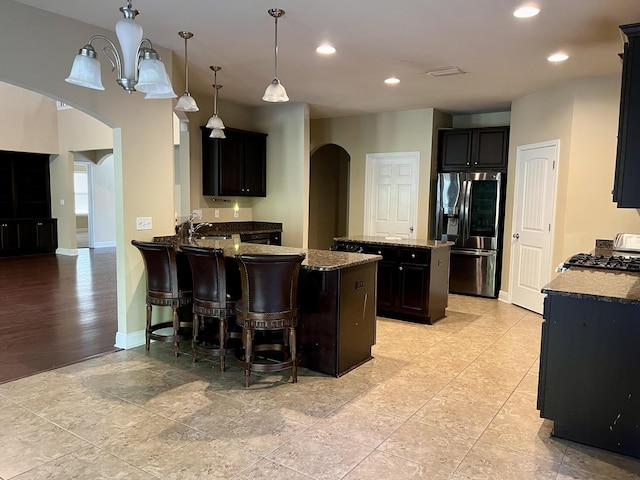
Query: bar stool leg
248,355
176,328
222,332
148,329
293,351
194,340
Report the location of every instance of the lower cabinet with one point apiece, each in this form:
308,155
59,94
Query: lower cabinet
337,326
589,370
28,236
413,283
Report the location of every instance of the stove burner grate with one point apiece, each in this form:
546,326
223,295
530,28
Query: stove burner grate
609,262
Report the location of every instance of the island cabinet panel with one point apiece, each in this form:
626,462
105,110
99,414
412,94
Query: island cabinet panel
236,165
473,149
413,283
337,320
590,370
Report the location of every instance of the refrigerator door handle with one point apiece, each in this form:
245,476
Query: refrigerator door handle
475,253
466,207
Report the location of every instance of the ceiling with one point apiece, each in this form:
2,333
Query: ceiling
503,57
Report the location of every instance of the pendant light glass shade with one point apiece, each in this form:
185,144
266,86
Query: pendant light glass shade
217,133
186,102
137,63
85,70
275,91
215,122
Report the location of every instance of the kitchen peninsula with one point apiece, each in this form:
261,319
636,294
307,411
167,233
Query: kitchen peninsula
589,362
337,299
413,275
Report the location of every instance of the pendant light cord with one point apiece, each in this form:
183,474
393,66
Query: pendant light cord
186,68
275,66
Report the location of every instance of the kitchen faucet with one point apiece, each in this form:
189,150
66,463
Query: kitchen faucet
192,229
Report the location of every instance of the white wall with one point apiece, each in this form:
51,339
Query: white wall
104,202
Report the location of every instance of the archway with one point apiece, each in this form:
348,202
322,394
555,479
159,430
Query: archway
328,195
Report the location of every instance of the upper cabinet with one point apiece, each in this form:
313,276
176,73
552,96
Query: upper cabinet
234,166
462,149
24,185
627,175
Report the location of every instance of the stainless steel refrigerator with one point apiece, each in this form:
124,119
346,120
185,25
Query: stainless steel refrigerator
469,213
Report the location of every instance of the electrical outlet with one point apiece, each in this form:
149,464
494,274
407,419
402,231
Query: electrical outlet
216,213
236,213
143,223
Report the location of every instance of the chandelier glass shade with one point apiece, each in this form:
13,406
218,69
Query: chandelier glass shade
137,64
275,91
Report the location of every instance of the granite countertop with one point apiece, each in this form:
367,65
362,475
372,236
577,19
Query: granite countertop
321,260
598,284
394,242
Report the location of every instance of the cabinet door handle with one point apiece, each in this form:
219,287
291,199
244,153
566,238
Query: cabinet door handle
400,268
413,255
379,252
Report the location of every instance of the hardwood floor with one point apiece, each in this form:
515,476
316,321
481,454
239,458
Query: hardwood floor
56,310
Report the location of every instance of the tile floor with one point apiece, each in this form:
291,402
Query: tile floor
455,400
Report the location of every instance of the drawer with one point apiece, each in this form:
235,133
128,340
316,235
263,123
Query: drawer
386,252
415,255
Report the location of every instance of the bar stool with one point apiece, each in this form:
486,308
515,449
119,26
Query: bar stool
169,284
215,291
268,304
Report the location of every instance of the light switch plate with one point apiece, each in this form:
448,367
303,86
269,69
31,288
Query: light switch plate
216,213
143,223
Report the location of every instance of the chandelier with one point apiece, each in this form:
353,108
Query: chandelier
137,64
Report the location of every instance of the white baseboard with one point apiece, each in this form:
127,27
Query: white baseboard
130,340
104,244
504,296
71,252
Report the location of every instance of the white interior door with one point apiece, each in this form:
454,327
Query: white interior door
391,195
531,239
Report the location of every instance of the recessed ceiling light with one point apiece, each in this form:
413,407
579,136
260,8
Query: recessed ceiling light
325,49
391,81
558,57
526,11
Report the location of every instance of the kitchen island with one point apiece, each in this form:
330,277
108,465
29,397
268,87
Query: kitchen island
413,275
337,299
589,379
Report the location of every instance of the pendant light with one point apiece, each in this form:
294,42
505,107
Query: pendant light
275,92
137,64
215,123
186,103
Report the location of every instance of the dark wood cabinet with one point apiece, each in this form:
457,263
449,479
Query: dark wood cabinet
473,149
589,367
28,236
627,173
413,283
337,326
236,165
26,226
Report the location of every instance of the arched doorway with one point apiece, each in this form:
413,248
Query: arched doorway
328,195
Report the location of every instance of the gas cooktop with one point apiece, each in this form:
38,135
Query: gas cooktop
609,262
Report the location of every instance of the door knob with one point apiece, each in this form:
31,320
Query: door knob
516,235
411,229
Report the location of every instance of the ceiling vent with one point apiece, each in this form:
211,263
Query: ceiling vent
445,72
